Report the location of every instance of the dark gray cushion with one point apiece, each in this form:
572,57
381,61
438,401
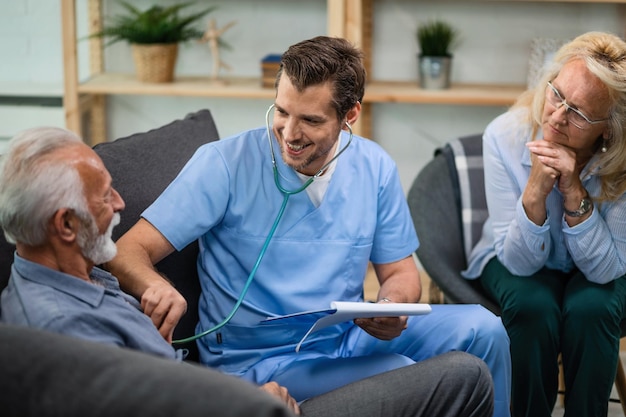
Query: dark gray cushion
46,374
142,166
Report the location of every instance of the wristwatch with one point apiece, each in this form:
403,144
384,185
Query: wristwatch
585,206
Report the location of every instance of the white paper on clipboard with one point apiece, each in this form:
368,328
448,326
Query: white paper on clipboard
341,311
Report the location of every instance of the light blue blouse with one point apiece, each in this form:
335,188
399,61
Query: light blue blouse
597,246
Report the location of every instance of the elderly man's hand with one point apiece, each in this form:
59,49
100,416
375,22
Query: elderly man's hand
165,306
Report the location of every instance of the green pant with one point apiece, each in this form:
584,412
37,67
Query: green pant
552,312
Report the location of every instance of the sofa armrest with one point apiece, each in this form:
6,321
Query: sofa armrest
46,374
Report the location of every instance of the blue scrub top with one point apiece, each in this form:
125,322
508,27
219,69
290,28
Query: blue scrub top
226,197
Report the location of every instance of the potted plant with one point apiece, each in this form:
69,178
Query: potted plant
154,35
436,40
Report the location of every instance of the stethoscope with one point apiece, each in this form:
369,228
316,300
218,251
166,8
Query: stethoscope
286,194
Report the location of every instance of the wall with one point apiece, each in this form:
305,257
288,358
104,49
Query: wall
31,76
495,48
30,42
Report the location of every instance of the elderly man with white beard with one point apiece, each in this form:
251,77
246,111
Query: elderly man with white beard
58,206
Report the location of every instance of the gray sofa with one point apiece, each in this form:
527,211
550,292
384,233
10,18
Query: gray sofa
45,374
52,375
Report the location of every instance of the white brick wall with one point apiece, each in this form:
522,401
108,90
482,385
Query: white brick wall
31,51
30,41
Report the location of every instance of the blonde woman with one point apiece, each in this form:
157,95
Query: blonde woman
553,251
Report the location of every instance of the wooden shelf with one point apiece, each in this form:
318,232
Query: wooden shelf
250,88
466,94
120,84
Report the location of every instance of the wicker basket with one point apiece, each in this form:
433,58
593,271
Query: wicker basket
155,63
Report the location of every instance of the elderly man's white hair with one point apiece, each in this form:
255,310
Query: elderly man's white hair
34,184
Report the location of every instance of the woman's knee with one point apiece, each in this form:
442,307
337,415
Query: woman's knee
588,303
538,307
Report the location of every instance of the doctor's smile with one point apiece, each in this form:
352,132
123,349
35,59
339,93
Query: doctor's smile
295,148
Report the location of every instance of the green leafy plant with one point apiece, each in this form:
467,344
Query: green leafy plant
437,38
157,25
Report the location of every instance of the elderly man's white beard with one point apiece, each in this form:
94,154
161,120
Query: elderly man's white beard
95,247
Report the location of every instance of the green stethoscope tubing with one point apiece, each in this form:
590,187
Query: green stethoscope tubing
286,194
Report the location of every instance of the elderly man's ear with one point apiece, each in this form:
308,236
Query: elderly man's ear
65,224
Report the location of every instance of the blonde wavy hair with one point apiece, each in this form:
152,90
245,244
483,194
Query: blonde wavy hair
605,57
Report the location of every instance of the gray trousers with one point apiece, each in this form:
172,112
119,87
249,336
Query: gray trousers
44,374
455,384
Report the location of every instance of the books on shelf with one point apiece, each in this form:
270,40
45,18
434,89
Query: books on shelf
269,68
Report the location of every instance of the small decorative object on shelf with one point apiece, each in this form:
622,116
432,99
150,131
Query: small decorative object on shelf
154,36
269,67
436,40
542,51
213,36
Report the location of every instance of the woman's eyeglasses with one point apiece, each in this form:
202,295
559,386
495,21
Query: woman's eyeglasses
574,116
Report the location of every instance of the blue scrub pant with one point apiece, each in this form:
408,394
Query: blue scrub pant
468,328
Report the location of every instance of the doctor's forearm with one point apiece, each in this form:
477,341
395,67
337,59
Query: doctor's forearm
399,281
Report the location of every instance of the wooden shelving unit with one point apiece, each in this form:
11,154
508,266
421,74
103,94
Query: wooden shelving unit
351,19
376,91
464,94
116,83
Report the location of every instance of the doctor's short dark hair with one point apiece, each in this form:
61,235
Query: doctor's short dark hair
321,59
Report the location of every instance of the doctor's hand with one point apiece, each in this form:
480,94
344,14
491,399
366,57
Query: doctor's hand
282,394
383,328
165,306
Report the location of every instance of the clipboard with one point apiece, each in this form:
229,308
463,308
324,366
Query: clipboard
341,311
